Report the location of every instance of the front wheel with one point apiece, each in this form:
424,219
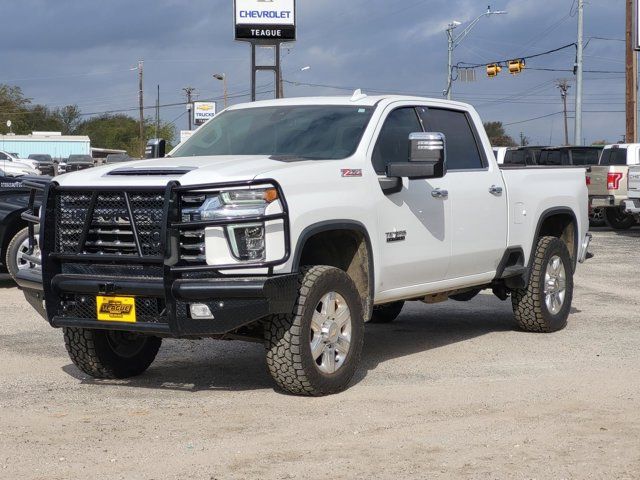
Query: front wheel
617,219
110,354
545,304
316,350
16,250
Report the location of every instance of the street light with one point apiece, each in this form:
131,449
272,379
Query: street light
454,41
223,78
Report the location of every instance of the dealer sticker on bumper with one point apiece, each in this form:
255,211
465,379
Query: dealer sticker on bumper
116,309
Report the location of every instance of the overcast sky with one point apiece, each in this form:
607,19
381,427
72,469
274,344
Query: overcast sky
81,52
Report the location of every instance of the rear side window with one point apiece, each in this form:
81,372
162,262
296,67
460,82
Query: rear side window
393,142
514,157
462,148
585,157
554,157
614,156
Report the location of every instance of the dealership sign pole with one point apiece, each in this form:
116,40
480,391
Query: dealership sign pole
265,23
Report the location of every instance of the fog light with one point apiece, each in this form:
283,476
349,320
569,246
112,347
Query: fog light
247,241
200,311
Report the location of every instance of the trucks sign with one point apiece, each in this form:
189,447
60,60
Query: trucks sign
203,111
265,20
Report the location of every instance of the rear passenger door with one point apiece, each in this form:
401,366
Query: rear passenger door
477,196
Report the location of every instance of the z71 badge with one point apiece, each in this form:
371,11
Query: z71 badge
351,172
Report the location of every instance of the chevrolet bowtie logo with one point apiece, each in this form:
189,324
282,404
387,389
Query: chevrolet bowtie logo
205,107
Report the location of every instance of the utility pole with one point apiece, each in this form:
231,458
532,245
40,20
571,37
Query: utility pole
158,112
189,93
564,87
632,80
454,41
577,140
223,78
141,99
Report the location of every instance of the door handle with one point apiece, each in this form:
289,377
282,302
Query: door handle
439,193
495,190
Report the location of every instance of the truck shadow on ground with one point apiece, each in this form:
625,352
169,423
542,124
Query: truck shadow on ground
6,281
208,365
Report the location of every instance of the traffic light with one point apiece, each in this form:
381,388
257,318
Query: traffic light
516,66
493,70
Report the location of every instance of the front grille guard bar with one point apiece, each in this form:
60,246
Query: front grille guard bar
51,261
171,226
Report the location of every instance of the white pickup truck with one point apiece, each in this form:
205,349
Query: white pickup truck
293,222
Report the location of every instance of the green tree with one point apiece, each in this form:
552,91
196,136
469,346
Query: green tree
122,132
498,136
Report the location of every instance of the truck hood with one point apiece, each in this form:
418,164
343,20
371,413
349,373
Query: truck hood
186,170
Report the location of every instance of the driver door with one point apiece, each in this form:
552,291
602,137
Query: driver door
414,223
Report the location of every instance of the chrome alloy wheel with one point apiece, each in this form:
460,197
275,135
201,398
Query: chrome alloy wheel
330,332
555,285
21,262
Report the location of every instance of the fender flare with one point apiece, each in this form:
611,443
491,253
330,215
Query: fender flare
550,212
329,225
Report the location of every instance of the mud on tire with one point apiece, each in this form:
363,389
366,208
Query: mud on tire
110,354
529,307
288,337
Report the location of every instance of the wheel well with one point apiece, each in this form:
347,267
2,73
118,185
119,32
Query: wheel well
347,250
562,226
10,231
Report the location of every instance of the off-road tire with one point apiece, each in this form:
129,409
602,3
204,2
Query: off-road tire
91,352
529,308
617,219
11,257
287,337
386,313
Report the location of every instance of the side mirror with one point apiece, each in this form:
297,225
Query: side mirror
427,157
155,148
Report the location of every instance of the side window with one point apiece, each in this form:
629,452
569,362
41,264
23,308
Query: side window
3,156
462,148
393,142
514,157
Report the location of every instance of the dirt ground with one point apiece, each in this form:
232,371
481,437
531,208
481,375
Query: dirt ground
448,391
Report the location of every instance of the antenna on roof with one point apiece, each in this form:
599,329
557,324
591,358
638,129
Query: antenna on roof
358,95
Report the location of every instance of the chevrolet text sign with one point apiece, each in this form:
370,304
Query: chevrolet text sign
265,20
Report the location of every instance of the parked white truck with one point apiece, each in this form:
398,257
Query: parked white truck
293,222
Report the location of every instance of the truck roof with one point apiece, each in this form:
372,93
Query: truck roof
363,100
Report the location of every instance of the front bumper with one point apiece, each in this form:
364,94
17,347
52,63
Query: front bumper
632,206
234,301
162,283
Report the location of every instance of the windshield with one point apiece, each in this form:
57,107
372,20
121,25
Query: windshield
310,132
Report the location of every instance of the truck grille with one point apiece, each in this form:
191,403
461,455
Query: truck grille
111,226
192,242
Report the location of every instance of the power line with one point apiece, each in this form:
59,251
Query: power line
526,57
532,119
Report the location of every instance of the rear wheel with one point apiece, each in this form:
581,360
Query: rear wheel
596,217
316,350
386,313
617,219
110,354
545,304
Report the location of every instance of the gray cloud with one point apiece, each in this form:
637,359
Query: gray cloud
80,51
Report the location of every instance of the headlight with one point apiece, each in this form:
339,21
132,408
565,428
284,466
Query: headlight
246,241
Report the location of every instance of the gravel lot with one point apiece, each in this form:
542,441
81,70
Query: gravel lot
448,391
